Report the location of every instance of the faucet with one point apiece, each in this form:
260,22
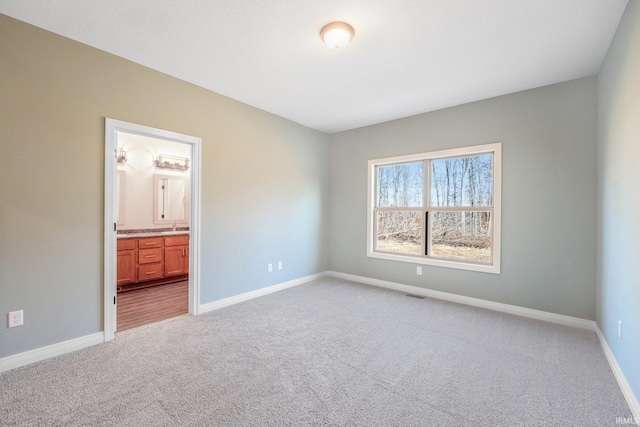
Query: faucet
174,226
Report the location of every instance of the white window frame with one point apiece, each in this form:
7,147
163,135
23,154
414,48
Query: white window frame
494,267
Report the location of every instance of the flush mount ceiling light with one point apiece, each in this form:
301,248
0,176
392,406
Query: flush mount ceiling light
336,35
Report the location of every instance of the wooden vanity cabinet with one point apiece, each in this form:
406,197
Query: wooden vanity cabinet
151,261
176,255
126,261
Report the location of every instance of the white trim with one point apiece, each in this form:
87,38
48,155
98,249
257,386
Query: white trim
441,154
42,353
194,235
476,302
494,266
110,166
215,305
627,392
110,194
496,237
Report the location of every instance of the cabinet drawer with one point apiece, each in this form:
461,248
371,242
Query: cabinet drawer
126,244
150,272
146,256
150,242
182,240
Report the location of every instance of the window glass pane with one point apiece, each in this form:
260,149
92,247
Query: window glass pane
400,185
465,181
461,235
399,232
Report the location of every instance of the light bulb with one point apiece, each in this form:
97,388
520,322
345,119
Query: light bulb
336,35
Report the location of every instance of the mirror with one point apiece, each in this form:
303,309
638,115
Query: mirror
170,199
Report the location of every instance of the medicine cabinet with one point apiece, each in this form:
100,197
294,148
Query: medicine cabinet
170,199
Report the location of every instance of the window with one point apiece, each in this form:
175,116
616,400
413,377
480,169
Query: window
440,208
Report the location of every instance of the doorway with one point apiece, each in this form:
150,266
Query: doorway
174,223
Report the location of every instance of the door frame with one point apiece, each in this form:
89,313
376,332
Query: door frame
113,126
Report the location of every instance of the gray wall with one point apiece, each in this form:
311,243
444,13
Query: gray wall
548,140
264,183
619,195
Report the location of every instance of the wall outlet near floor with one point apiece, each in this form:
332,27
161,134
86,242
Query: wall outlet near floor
279,265
419,271
269,268
619,328
16,318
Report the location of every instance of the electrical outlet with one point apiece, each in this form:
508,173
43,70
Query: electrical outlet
619,328
279,265
16,318
419,271
269,268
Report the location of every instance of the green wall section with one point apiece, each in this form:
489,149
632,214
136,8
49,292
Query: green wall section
619,195
264,182
548,140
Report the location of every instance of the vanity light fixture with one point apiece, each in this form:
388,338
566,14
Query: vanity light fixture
336,35
121,155
165,161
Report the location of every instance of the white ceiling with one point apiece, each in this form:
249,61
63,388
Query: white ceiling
407,56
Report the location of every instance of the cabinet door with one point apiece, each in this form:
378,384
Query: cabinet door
175,259
126,265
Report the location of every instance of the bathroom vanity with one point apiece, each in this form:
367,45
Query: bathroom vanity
150,260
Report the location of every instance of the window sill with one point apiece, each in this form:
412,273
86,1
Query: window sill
483,268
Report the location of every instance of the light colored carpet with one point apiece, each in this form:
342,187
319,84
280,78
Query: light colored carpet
331,353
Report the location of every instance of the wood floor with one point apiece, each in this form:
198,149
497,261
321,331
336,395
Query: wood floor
148,305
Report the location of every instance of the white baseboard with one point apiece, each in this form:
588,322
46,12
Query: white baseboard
628,393
42,353
216,305
629,396
476,302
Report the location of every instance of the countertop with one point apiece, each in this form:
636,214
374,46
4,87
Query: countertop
151,234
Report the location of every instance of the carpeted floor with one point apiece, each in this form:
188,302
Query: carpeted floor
331,353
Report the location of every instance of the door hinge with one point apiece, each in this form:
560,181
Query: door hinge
114,299
114,226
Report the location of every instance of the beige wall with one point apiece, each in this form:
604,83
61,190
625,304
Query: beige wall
264,182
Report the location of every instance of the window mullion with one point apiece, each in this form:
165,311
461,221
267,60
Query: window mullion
426,203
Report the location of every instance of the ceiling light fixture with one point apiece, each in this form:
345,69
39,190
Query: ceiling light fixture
336,35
